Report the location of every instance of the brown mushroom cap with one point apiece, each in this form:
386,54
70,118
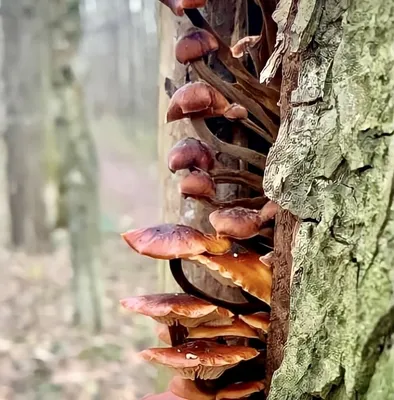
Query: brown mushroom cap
196,100
268,212
267,259
240,390
195,44
237,222
241,47
198,184
188,389
162,396
180,308
238,328
244,269
177,6
190,153
169,241
259,321
235,111
200,359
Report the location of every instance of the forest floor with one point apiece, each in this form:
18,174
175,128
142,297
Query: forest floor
42,356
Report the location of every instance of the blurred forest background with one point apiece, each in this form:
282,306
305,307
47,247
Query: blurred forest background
78,119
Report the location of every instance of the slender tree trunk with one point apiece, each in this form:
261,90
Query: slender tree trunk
78,170
23,26
333,168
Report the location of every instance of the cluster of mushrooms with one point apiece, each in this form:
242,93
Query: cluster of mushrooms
217,347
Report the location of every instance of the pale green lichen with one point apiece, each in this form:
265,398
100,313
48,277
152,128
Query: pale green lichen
334,162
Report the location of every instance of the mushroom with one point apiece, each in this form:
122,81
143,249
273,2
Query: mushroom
193,154
259,321
179,308
248,45
170,241
238,329
244,270
199,100
163,333
241,223
200,186
200,359
178,6
240,390
192,47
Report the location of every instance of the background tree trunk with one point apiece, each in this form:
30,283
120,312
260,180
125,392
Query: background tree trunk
23,25
78,170
333,167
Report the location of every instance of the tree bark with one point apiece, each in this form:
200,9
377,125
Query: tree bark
332,166
79,170
23,25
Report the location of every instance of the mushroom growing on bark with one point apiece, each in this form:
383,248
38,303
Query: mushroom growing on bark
258,321
200,359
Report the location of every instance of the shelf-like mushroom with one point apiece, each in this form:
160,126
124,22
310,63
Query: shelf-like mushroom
169,241
178,6
259,321
200,359
241,223
244,270
241,390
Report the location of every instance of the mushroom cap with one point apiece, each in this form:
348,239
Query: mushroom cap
172,308
241,47
186,388
190,153
238,328
163,333
267,259
162,396
240,390
244,269
196,100
198,184
235,111
260,321
169,241
237,222
177,6
268,212
200,359
195,44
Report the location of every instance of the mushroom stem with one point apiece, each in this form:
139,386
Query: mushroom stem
178,333
236,96
236,308
235,66
245,154
260,131
242,177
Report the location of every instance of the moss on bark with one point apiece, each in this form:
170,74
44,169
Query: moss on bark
333,166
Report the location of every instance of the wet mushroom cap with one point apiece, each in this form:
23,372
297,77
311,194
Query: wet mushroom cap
235,111
260,321
187,389
190,153
244,269
196,100
240,390
241,47
238,222
180,308
195,44
198,184
178,6
238,329
169,241
200,359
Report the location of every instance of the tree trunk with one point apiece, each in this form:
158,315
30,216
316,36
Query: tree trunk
23,26
332,166
79,169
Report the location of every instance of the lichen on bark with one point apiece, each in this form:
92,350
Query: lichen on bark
333,167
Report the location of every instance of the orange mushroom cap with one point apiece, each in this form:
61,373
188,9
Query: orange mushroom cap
240,390
195,44
196,100
178,6
198,184
169,241
241,47
172,308
200,359
190,153
244,269
259,321
235,111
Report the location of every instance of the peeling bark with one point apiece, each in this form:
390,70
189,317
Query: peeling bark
332,166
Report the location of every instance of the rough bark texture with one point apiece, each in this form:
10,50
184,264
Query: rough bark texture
23,24
333,167
79,169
